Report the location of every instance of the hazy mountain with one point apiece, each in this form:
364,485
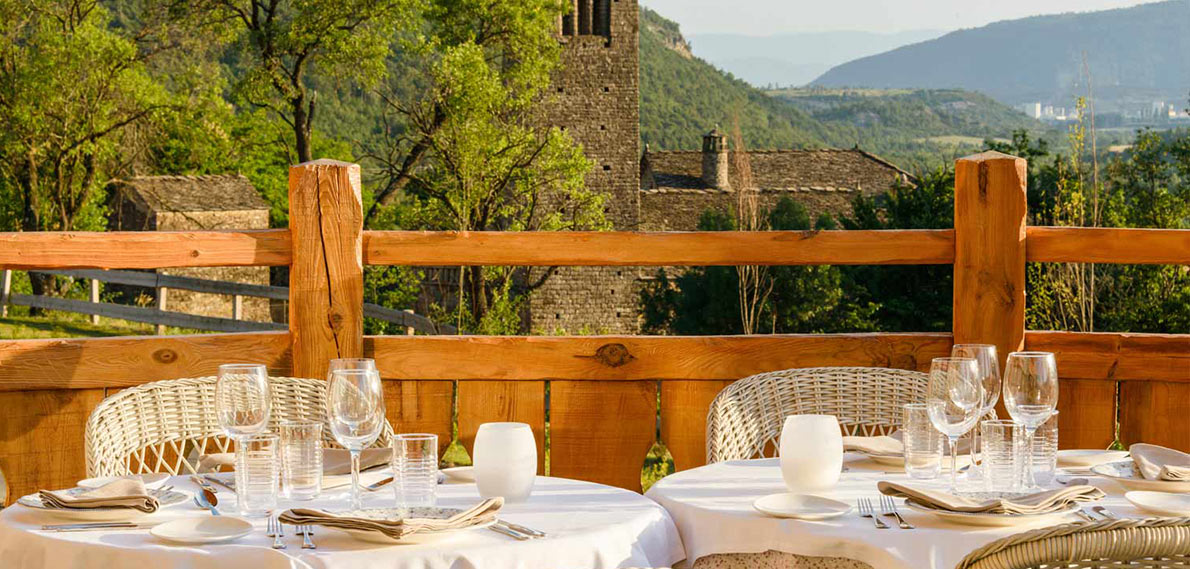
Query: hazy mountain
795,59
1136,56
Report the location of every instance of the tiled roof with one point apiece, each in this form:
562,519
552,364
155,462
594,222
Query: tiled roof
777,170
226,192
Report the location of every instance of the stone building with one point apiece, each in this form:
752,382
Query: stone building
595,97
182,203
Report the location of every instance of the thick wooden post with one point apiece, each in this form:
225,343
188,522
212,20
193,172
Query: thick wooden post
326,280
989,262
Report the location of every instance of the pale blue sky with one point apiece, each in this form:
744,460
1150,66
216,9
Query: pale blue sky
767,17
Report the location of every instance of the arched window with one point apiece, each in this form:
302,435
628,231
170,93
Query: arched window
603,18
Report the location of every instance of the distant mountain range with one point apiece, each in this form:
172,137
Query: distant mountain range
1136,56
786,60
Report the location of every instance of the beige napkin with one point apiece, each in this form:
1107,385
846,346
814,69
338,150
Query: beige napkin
1160,463
122,493
481,513
885,445
1039,503
335,461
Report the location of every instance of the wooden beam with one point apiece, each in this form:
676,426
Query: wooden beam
601,248
684,407
1115,356
602,432
144,249
41,438
1155,412
421,407
1107,245
85,363
628,358
1087,413
989,263
326,280
493,401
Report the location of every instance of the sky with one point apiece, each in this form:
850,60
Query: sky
768,17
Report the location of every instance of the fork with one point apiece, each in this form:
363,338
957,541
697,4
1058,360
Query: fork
866,511
889,507
276,531
307,532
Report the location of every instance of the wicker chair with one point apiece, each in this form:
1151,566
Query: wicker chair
745,419
1156,543
165,426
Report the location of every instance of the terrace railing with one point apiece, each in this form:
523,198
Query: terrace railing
603,390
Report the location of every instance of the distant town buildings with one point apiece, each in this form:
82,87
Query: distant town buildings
1136,114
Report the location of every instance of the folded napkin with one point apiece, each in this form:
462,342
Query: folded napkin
122,493
479,514
335,461
885,445
1039,503
1160,463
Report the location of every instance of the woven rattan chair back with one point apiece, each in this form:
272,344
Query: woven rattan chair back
166,426
1158,543
745,419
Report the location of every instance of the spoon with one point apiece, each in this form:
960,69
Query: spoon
379,485
207,499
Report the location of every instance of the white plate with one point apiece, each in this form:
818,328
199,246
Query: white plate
800,506
395,513
992,520
202,529
460,473
152,481
1160,503
1086,458
167,498
1126,474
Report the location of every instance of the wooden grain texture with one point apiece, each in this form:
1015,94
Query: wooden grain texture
989,264
84,363
1116,356
1155,412
326,288
601,432
420,407
1107,245
644,357
41,438
144,249
1087,417
684,406
493,401
605,248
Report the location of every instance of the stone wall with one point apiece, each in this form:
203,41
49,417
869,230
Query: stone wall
680,209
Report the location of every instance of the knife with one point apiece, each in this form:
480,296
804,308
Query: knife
94,526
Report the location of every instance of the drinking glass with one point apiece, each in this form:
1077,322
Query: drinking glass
505,460
259,476
954,401
1002,451
1030,394
1045,451
242,404
989,377
923,443
350,363
301,459
355,410
811,452
415,469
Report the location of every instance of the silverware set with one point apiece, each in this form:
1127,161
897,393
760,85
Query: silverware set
94,526
276,530
516,531
866,511
888,507
1101,514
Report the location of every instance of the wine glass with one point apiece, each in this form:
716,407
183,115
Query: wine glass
242,405
989,376
1030,395
954,402
350,363
355,411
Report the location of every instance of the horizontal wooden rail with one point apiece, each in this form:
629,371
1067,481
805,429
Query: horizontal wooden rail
1116,356
85,363
155,280
1107,245
599,248
144,249
629,358
145,315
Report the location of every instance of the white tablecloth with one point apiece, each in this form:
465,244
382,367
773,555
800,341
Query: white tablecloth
590,526
712,506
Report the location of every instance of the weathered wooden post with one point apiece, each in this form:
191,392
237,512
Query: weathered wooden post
237,307
326,279
989,261
162,305
5,291
95,299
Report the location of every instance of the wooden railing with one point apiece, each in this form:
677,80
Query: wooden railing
603,390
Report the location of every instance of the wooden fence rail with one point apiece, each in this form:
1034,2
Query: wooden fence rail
605,394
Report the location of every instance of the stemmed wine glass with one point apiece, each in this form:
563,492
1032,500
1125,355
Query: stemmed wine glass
355,410
953,402
242,405
1030,395
989,377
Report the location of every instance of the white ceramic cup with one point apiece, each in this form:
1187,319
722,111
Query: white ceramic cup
505,461
811,453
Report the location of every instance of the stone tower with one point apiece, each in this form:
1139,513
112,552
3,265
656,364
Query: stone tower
714,160
595,98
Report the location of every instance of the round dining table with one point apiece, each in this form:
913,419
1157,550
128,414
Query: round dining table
712,506
588,526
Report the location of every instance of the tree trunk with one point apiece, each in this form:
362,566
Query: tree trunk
301,128
477,289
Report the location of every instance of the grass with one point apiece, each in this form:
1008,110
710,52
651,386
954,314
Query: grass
58,325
